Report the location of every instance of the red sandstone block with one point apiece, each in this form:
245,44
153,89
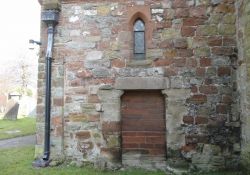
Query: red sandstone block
198,99
40,109
167,44
229,41
75,83
179,4
58,131
170,71
164,24
200,71
162,62
188,147
185,52
103,81
221,109
217,121
201,120
227,99
118,63
224,8
159,26
224,71
210,89
180,62
188,119
181,12
194,89
74,65
199,11
93,99
56,121
58,102
208,81
114,152
205,62
193,139
116,29
191,63
229,1
39,100
188,31
167,24
170,53
193,21
111,126
41,75
103,45
94,118
215,41
222,50
68,99
83,135
77,90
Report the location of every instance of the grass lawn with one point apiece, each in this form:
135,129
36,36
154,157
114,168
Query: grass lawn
18,161
20,127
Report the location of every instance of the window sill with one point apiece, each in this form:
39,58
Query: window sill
139,63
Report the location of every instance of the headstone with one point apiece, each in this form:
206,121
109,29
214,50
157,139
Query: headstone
11,110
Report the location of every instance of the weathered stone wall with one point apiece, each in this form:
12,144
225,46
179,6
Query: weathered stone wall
190,55
243,37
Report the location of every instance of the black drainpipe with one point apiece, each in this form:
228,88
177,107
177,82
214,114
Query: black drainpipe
50,17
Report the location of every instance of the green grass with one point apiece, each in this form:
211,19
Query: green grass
18,161
26,126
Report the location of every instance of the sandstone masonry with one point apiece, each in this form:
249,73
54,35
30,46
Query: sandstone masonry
192,57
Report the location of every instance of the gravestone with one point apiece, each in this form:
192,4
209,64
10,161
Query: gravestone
11,110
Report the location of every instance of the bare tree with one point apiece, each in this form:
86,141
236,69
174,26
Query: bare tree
19,75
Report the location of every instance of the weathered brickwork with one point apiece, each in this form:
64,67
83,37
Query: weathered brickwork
143,134
191,57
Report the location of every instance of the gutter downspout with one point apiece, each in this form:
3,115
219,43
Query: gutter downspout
50,17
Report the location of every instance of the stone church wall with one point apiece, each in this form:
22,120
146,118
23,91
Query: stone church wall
243,36
191,56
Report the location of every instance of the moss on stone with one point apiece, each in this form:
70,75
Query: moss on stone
245,158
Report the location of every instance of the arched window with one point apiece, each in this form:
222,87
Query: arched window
139,39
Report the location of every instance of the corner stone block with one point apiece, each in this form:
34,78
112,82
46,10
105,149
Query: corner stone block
52,4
